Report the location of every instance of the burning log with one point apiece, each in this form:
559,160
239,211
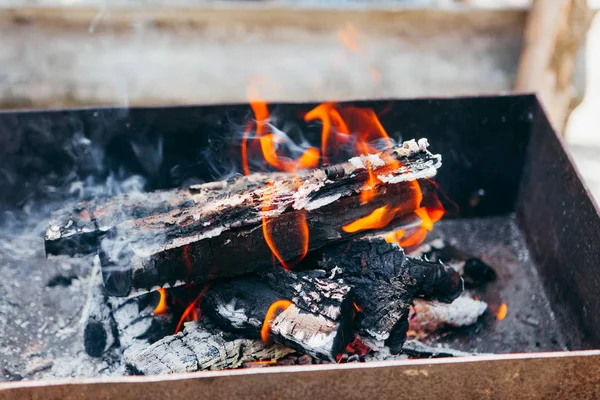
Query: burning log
385,282
241,229
200,347
249,306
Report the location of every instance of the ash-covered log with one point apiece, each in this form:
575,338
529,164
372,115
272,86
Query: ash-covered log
249,306
385,282
226,237
201,346
429,316
77,229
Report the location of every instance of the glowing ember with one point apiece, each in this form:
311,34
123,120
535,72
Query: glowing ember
501,313
272,312
161,307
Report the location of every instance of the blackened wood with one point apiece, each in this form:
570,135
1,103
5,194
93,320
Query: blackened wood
385,282
313,291
418,349
224,238
241,305
201,346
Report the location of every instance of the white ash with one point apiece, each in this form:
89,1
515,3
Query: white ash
236,316
404,174
431,315
323,201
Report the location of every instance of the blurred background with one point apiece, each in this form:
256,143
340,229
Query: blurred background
74,53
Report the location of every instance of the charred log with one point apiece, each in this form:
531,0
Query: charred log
244,305
224,237
385,282
429,316
201,346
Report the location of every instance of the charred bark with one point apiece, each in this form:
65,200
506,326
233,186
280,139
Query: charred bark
201,346
242,305
385,282
225,238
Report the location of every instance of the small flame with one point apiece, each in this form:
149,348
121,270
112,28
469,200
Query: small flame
275,308
190,313
357,307
501,313
161,307
379,218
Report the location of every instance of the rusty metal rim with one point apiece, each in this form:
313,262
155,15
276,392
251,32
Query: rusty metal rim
299,369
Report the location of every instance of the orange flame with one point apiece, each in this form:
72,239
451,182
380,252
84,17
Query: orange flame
502,311
379,218
275,308
161,307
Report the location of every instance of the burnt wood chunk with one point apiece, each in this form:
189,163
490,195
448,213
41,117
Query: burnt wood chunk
385,282
242,305
201,346
224,237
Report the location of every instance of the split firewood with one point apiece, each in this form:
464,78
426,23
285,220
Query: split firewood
201,346
249,306
385,282
226,237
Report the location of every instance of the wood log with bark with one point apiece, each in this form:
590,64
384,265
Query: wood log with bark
225,237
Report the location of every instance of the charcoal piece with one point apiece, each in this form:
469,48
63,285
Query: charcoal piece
385,282
242,305
429,316
224,237
475,272
201,346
